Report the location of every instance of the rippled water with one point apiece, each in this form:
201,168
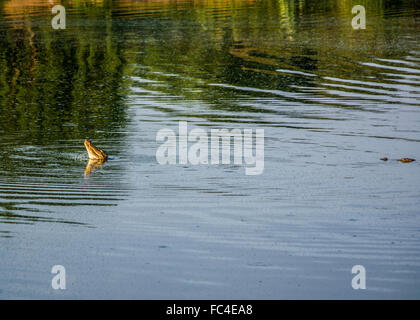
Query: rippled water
332,101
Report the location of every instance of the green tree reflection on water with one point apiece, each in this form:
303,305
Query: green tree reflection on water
68,82
74,81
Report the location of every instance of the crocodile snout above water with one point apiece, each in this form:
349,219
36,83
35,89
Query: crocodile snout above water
94,152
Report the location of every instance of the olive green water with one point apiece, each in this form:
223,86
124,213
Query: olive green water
332,101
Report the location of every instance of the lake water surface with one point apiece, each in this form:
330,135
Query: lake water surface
332,101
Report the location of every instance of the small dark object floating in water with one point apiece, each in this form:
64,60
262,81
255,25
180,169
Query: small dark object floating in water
406,160
400,160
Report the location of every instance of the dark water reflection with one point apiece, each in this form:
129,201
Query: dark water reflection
332,101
